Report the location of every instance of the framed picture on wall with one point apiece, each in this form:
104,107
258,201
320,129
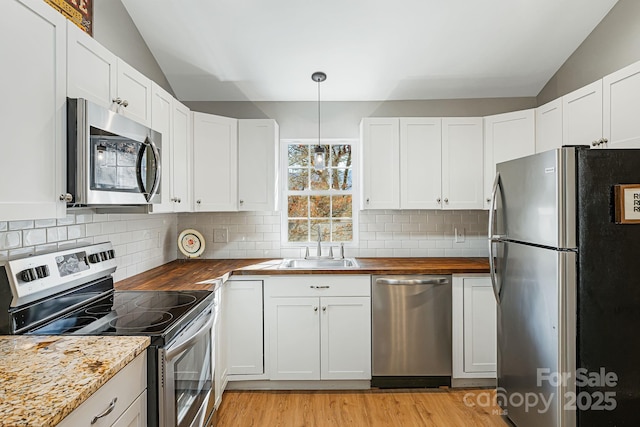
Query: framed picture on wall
80,12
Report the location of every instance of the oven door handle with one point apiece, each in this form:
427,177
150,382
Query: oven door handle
191,340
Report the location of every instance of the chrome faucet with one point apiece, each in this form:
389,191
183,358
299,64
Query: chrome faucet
319,250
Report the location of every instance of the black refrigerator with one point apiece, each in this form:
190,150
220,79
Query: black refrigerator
564,256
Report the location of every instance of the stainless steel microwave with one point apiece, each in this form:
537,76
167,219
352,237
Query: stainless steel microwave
111,159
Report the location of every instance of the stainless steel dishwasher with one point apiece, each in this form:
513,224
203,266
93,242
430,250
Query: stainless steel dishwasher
411,331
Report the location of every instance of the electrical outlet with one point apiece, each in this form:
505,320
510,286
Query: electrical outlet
220,235
459,235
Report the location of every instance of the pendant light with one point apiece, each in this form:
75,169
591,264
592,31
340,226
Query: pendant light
319,156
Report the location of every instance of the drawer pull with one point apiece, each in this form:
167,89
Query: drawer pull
319,287
106,412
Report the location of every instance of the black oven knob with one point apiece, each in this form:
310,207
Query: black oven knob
94,258
42,271
112,254
104,256
28,275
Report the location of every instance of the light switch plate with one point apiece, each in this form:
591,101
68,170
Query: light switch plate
220,235
459,235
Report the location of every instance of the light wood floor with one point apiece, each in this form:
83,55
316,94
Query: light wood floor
371,408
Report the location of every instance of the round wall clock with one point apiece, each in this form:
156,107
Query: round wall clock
191,243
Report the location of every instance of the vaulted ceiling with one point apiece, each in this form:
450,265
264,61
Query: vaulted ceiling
266,50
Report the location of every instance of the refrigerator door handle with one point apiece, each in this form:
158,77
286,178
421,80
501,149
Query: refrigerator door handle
492,237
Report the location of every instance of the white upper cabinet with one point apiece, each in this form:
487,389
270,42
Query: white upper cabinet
101,77
161,112
507,136
462,149
134,93
549,126
32,116
380,163
582,116
621,104
420,163
215,163
257,164
181,158
92,68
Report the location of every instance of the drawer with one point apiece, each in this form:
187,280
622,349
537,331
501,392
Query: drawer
318,285
126,386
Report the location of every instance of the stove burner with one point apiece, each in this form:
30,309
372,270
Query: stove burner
144,320
166,300
99,309
66,325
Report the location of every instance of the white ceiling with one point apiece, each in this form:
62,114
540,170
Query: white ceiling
266,50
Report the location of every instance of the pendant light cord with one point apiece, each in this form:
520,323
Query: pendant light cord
318,112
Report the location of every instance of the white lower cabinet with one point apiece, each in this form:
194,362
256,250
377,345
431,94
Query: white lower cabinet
126,392
474,327
221,366
319,327
244,328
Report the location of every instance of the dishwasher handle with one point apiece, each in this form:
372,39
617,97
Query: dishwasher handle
430,281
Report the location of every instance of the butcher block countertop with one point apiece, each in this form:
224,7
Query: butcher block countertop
44,378
187,274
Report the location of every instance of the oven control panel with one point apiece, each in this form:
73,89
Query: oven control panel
35,277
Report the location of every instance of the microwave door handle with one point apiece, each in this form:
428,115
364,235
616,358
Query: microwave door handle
493,238
148,195
190,341
156,178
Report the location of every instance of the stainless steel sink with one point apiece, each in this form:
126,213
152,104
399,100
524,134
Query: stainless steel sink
319,263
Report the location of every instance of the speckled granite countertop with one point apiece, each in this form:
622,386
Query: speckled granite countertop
43,378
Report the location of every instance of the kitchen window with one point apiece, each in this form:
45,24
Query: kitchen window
318,199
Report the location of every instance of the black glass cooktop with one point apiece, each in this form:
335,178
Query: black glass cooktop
148,313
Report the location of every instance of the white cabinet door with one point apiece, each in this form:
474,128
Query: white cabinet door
135,415
462,152
33,112
221,365
92,68
257,164
243,317
215,163
294,338
345,343
420,163
582,115
621,104
134,89
474,327
380,163
506,137
161,120
549,126
181,158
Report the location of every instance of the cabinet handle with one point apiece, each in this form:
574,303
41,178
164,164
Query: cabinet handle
117,100
324,309
367,200
594,143
315,308
66,197
179,200
242,202
488,200
319,287
446,201
125,103
198,201
106,412
605,140
438,200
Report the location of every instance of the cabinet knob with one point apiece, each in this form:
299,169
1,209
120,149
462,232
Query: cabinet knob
241,202
438,200
198,201
66,198
125,103
324,309
594,143
446,200
605,140
179,200
117,100
488,200
315,308
367,200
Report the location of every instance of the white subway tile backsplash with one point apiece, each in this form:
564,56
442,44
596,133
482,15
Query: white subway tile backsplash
56,234
20,225
67,220
44,223
33,237
3,226
10,240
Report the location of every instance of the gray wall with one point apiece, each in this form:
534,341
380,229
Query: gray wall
612,45
342,119
115,30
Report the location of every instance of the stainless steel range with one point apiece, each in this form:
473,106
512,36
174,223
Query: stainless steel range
71,292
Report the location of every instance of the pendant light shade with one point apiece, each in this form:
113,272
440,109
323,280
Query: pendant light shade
319,156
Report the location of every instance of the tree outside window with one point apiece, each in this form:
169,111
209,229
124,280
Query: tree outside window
319,201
